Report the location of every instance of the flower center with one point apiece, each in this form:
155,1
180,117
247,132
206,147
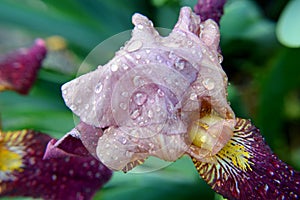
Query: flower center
9,159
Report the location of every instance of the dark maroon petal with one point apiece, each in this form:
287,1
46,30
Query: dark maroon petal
68,177
246,168
18,69
210,9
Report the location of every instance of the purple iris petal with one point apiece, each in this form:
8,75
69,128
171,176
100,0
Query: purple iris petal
210,9
26,173
18,69
247,169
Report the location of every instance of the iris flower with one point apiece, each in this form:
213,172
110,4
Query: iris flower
23,169
167,97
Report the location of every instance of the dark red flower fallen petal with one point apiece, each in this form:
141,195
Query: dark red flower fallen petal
23,172
246,168
210,9
80,141
18,69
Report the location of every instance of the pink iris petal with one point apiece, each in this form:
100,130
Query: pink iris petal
145,97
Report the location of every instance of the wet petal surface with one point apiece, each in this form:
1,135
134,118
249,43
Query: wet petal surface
151,91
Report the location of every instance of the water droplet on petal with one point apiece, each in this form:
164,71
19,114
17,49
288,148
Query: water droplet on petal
123,140
150,113
114,67
87,106
179,64
220,58
73,107
124,94
138,56
135,114
134,46
123,106
193,96
98,87
208,84
137,80
140,98
160,93
125,67
159,58
172,55
140,26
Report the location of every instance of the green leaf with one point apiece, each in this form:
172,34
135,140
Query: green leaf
288,29
175,182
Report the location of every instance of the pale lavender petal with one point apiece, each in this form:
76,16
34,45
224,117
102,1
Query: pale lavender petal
151,91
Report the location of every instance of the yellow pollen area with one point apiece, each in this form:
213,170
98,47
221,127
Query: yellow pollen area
237,154
3,87
9,161
195,133
56,43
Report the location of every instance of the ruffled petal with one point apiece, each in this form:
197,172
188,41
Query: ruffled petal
246,168
151,91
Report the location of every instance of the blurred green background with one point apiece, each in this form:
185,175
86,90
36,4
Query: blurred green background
264,74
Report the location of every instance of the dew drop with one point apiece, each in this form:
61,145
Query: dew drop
193,96
150,113
220,58
148,51
179,64
124,94
140,98
122,140
172,55
123,106
125,67
159,58
137,80
114,67
160,93
134,46
98,87
73,107
86,106
140,26
54,177
138,56
135,114
208,84
64,91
